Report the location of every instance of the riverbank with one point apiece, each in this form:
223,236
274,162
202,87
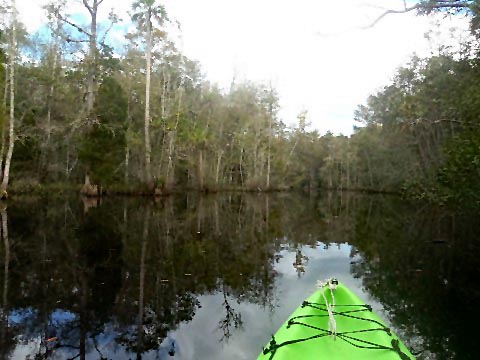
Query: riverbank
142,190
23,188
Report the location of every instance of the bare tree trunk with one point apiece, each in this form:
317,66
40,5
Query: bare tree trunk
164,123
201,170
255,155
168,181
92,81
164,92
67,160
262,161
148,148
127,148
217,171
11,133
127,161
51,93
269,150
4,128
92,61
45,147
50,98
241,167
171,148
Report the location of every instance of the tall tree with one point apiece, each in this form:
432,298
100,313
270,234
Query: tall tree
12,53
3,104
89,36
52,65
3,107
270,100
146,12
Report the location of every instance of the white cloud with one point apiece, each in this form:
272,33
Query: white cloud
311,50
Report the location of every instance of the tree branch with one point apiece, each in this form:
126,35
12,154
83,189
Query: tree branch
90,10
74,25
70,40
441,4
106,33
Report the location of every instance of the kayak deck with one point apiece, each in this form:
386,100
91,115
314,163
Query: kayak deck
359,333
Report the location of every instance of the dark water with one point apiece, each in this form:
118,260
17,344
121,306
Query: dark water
213,277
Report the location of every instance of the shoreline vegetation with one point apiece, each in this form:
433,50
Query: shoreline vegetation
143,191
138,117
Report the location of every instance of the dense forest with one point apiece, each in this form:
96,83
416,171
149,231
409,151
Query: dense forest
139,116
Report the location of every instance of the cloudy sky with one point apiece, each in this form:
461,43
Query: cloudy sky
315,52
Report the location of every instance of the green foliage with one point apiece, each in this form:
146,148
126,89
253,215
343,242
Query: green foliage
461,173
102,146
147,10
470,8
422,131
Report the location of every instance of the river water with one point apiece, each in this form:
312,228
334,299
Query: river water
213,277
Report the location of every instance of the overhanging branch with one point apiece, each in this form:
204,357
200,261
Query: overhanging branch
440,4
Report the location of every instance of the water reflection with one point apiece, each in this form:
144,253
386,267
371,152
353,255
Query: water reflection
213,277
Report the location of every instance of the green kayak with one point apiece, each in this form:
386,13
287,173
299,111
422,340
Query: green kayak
334,324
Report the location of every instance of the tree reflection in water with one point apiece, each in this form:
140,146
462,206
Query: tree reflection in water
6,332
117,278
232,319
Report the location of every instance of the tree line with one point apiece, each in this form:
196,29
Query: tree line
141,117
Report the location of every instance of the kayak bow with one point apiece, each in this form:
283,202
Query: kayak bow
334,324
